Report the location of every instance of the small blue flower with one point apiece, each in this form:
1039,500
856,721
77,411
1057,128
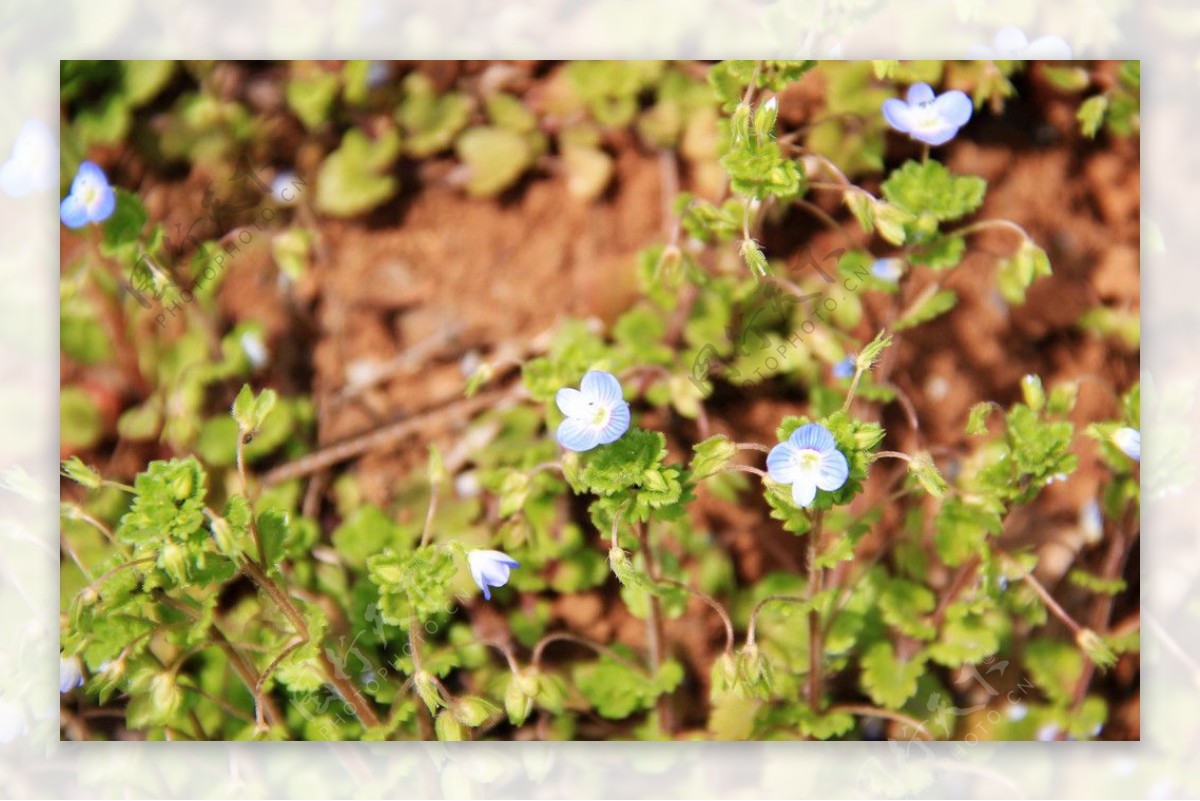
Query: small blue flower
1129,440
597,413
1011,44
926,118
91,198
890,270
808,461
1091,521
844,368
70,673
33,165
490,569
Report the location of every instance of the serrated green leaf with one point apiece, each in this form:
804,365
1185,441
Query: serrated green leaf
885,679
929,188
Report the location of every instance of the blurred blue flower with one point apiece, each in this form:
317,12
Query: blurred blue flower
890,270
808,461
844,368
1011,44
70,673
33,165
1091,521
597,413
490,569
1129,440
91,198
927,118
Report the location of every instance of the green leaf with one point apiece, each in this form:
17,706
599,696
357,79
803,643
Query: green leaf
273,532
354,178
77,471
414,583
712,455
80,425
1097,584
366,532
609,469
904,604
930,189
926,308
978,417
885,679
429,121
1055,667
960,530
1091,115
243,409
496,158
143,79
967,637
311,96
127,221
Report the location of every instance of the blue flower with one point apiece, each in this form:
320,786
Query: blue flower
490,569
91,198
890,270
70,673
1129,440
844,368
926,118
808,461
33,164
597,414
1011,44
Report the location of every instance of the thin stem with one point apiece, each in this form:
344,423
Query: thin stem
424,716
752,629
814,617
1052,604
985,224
429,513
119,568
563,636
241,470
508,654
654,630
863,710
745,468
904,457
752,446
858,371
70,551
716,607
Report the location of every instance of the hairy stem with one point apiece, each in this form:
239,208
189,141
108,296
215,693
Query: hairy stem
654,631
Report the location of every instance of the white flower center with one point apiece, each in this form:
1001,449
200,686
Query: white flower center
600,414
926,117
806,459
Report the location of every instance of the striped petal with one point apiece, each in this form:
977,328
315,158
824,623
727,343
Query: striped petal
833,472
601,387
813,436
781,467
919,93
617,425
804,490
572,403
576,435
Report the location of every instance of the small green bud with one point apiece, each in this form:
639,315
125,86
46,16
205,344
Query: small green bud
173,559
739,123
243,409
77,471
1062,398
764,119
448,728
751,665
480,376
619,562
1031,389
921,466
890,221
725,676
182,485
517,702
874,349
428,691
1096,649
223,537
437,469
668,263
165,695
472,711
89,596
754,258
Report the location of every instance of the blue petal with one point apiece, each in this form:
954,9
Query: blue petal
896,113
72,212
600,386
89,172
833,472
804,490
575,435
919,93
572,403
618,424
104,209
954,107
814,436
779,463
937,136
